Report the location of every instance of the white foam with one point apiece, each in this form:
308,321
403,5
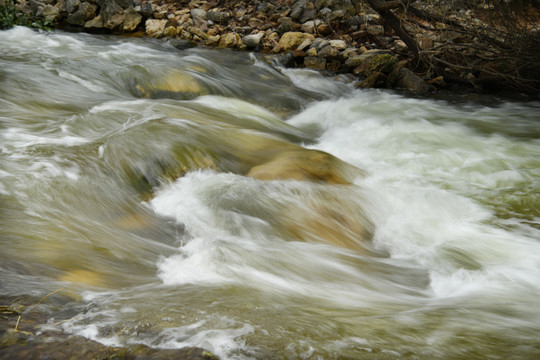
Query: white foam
21,138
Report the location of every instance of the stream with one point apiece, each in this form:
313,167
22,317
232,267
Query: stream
211,198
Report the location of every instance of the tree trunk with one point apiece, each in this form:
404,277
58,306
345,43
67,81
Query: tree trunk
384,8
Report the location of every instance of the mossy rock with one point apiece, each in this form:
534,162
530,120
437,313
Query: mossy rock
175,85
383,63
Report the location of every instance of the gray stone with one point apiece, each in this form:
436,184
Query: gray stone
285,25
319,43
325,11
113,15
85,12
198,13
286,60
147,10
308,27
252,41
328,52
308,15
338,44
297,9
70,6
305,44
218,17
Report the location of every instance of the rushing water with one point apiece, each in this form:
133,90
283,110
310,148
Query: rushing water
124,183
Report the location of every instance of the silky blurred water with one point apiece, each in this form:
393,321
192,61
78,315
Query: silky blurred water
124,183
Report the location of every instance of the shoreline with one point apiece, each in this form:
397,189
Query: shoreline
334,37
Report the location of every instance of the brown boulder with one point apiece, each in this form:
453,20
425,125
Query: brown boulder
291,40
305,165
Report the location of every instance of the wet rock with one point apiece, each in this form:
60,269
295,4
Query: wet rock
304,165
61,347
155,28
375,80
12,337
132,19
291,40
286,60
181,44
175,84
315,62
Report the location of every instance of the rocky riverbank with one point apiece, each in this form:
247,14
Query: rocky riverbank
336,37
21,337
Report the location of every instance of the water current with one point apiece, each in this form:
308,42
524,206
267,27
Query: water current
211,198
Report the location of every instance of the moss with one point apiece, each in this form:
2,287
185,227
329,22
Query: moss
383,63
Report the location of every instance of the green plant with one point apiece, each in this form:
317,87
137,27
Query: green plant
10,16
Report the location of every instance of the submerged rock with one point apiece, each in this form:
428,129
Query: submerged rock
305,165
176,84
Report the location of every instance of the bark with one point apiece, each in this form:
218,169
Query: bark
384,9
